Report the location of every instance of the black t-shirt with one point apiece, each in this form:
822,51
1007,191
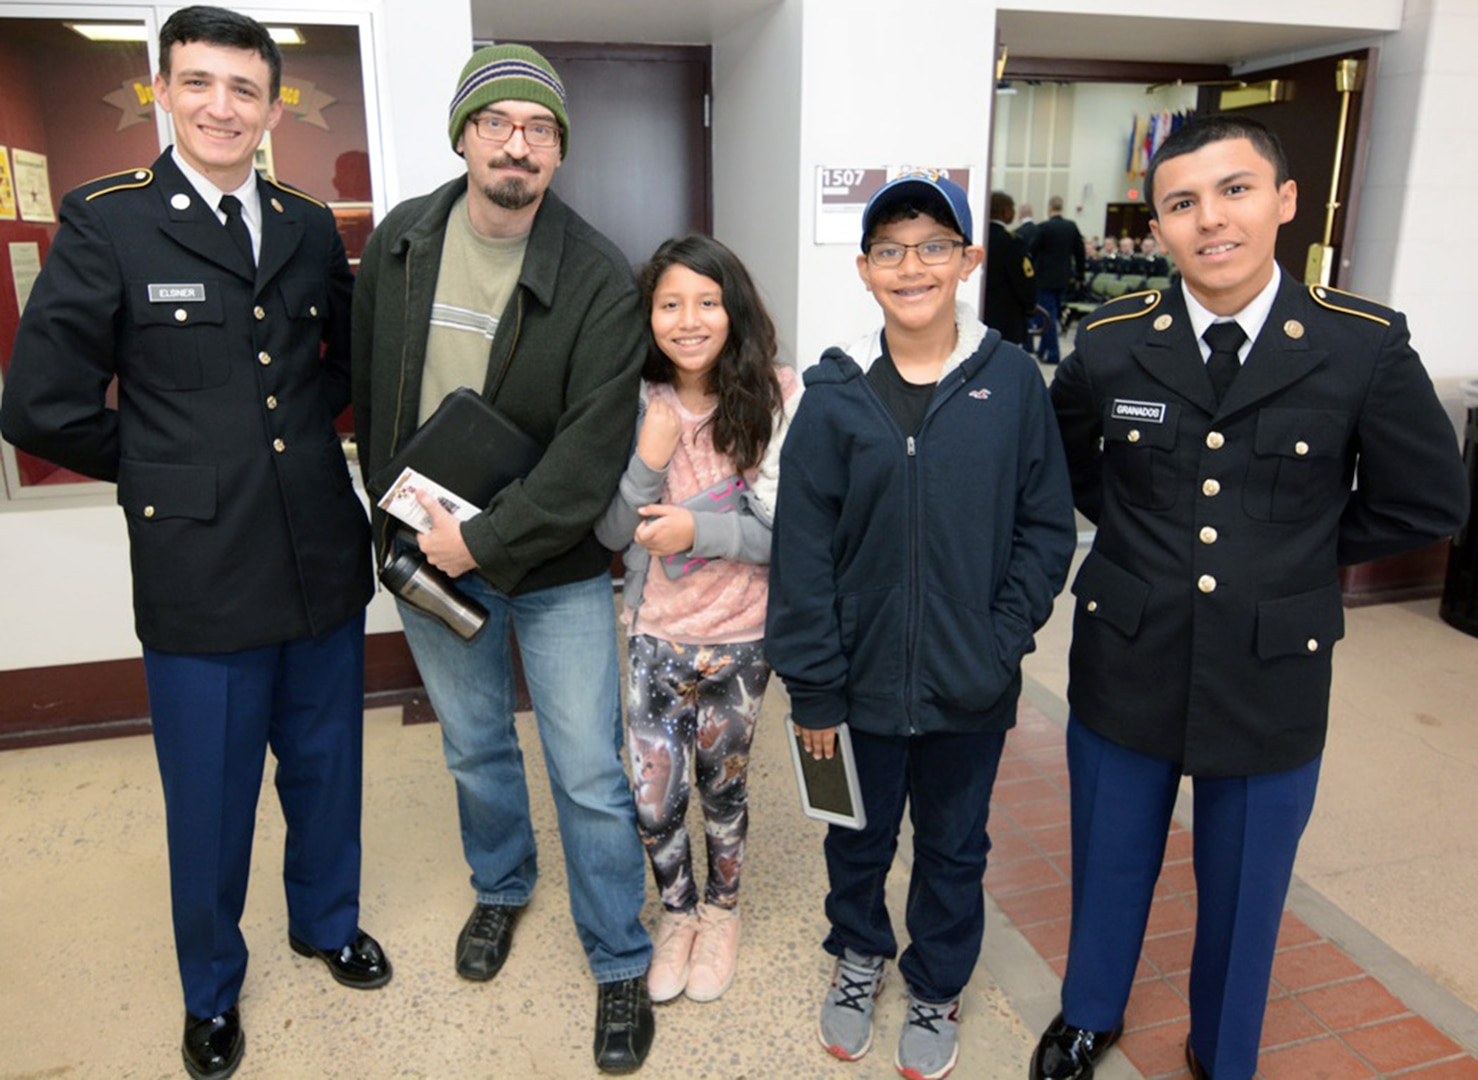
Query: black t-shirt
908,402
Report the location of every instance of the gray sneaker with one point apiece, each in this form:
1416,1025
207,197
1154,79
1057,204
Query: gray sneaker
845,1026
929,1042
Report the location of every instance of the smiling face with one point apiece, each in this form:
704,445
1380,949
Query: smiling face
1217,213
689,323
916,296
219,99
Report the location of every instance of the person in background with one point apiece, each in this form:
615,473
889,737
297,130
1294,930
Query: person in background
1026,225
1057,255
923,528
492,282
220,301
1213,433
716,410
1010,288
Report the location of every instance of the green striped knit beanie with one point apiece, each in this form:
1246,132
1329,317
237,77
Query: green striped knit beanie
508,73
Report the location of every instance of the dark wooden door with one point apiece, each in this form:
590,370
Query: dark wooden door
639,166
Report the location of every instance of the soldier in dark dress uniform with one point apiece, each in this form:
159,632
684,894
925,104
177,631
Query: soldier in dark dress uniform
1010,291
227,331
1219,471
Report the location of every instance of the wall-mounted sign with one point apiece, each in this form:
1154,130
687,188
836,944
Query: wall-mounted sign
25,268
7,187
842,194
33,186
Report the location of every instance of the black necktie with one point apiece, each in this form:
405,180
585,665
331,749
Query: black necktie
1225,338
236,227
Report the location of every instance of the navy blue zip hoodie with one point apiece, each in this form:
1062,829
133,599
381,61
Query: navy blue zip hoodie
909,575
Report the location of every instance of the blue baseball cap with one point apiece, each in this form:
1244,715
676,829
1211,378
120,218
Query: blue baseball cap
946,195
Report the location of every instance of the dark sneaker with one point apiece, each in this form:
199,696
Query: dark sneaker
624,1025
483,944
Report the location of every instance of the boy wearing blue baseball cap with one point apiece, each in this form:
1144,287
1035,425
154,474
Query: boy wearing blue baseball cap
924,525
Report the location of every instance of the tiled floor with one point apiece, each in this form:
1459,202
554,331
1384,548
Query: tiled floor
1327,1017
1378,975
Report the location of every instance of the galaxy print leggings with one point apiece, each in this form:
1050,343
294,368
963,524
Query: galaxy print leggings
699,702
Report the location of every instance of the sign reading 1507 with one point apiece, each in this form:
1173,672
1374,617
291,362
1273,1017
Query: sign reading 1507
842,177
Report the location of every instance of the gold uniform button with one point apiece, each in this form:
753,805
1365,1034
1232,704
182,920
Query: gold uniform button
1206,583
1208,534
279,445
260,312
271,401
180,314
1215,440
1211,487
1313,644
264,358
1134,435
313,310
148,511
1300,448
1163,322
1092,605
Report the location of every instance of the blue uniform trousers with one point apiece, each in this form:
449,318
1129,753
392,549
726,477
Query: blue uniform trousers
1244,841
214,716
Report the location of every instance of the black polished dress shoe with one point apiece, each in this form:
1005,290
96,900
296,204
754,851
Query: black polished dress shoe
1069,1053
213,1045
361,964
1192,1062
624,1025
483,944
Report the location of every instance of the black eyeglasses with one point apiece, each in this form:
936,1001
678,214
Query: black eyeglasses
540,134
886,253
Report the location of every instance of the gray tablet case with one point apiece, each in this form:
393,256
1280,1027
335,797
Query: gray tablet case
829,788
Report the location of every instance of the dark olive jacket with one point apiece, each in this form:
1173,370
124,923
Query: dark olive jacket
565,362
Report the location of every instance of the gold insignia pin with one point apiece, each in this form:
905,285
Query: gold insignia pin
1163,322
180,201
276,206
1294,329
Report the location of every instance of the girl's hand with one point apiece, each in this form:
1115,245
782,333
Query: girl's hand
665,530
660,431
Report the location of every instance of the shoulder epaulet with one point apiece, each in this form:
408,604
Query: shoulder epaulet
122,181
1350,304
280,186
1128,306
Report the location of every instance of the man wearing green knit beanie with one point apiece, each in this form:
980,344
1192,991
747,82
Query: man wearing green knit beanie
492,282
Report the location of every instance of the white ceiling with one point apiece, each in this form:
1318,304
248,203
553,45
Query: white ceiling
665,22
1185,41
1034,34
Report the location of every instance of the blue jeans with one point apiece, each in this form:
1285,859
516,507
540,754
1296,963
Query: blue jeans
567,639
1050,301
946,780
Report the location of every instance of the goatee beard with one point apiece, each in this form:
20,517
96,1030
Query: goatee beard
511,194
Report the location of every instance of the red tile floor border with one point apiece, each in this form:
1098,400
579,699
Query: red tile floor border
1327,1017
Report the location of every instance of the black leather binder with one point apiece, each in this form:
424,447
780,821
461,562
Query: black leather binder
466,446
